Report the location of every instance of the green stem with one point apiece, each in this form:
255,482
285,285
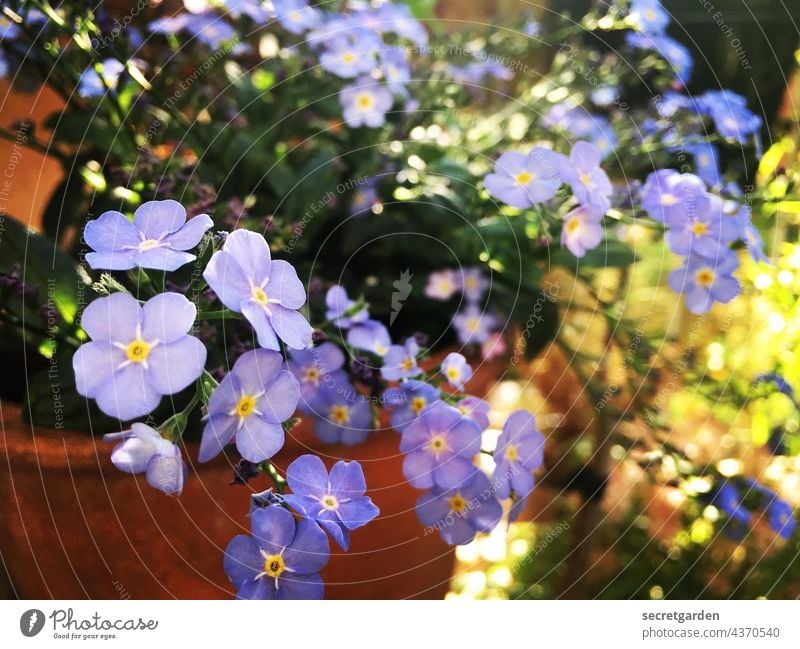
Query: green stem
222,314
277,479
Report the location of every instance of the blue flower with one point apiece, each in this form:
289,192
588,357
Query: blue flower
137,354
706,161
143,450
732,119
671,197
704,233
474,284
408,401
400,362
281,560
671,102
92,84
462,512
336,501
583,173
395,68
266,292
157,238
705,281
456,370
729,500
316,369
296,16
342,415
371,336
338,303
519,451
476,409
521,180
365,103
351,55
365,197
781,518
649,16
253,9
207,27
475,73
675,54
439,446
531,28
473,325
250,404
582,230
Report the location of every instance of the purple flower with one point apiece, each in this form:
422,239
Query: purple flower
207,27
370,336
266,292
754,243
296,16
523,180
338,303
336,501
476,409
473,325
672,197
460,513
137,353
400,362
732,118
582,172
407,401
143,450
703,233
705,281
439,445
281,560
729,500
250,404
475,73
781,518
342,415
442,284
351,55
365,197
92,84
456,370
157,237
365,103
583,229
398,19
519,451
474,283
706,162
649,16
315,369
395,68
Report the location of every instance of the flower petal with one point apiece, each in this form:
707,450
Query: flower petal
358,512
113,318
256,315
167,473
133,455
285,286
167,317
251,251
113,260
291,327
281,398
163,259
242,560
296,586
257,369
307,475
157,218
93,364
273,528
174,366
228,280
218,432
190,234
347,479
309,550
258,440
128,394
109,232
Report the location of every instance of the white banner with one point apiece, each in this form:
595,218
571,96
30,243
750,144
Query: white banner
372,624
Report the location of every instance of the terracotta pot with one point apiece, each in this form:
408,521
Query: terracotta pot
76,527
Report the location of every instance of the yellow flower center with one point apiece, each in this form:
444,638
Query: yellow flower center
246,406
573,225
453,373
586,179
294,16
364,101
668,199
137,351
348,58
274,566
699,228
523,177
472,324
340,415
704,277
418,404
458,503
329,502
650,14
408,364
380,350
312,375
511,453
437,445
259,295
149,244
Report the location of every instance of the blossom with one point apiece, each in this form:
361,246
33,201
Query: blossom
706,162
338,303
456,370
315,369
729,500
672,197
365,103
474,73
143,450
476,409
583,229
675,54
461,512
781,518
395,68
582,172
296,16
400,362
350,55
336,501
250,404
474,284
408,400
281,560
705,281
649,16
207,27
371,336
519,451
439,445
266,292
493,347
443,284
342,415
137,353
365,197
94,84
521,180
473,325
732,119
703,232
158,237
